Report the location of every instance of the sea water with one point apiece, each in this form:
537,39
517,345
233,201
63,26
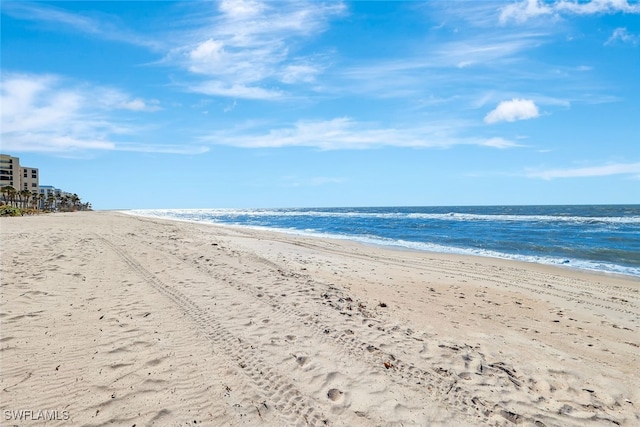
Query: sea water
602,237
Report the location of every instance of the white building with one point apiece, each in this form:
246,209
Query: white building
47,190
25,178
30,180
16,176
10,171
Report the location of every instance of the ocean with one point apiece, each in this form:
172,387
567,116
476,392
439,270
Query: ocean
603,237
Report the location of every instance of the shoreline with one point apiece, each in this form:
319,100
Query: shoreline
123,319
398,246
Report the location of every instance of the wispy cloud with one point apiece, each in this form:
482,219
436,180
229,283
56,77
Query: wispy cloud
346,133
46,113
231,107
510,111
596,7
527,9
622,35
502,143
446,63
139,104
37,117
240,48
234,90
105,27
248,49
486,50
590,171
524,10
456,14
162,148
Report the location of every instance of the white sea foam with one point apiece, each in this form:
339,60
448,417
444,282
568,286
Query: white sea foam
528,218
433,247
214,216
450,216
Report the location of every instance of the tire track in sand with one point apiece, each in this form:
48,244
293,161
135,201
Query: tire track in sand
440,384
433,384
443,385
294,406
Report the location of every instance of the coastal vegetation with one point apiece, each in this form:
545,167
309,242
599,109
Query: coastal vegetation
25,202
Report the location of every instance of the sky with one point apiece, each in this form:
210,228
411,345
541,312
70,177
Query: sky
252,104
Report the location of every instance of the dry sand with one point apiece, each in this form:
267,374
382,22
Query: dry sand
116,320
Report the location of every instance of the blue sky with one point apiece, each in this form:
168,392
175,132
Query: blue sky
308,104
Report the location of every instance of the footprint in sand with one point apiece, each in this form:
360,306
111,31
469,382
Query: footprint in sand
334,394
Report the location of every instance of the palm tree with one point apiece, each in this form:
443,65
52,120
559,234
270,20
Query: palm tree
35,199
65,202
26,195
51,201
5,192
11,192
75,200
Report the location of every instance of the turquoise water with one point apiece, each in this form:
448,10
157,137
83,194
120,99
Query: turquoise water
604,238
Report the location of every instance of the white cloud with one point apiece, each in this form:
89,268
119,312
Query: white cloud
299,73
331,134
206,52
138,104
50,142
591,171
36,117
108,28
431,70
162,148
322,180
596,7
241,8
250,46
500,143
218,88
231,107
510,111
522,11
345,133
243,51
624,36
114,99
527,9
45,113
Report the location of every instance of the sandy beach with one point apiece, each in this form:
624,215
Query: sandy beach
109,319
